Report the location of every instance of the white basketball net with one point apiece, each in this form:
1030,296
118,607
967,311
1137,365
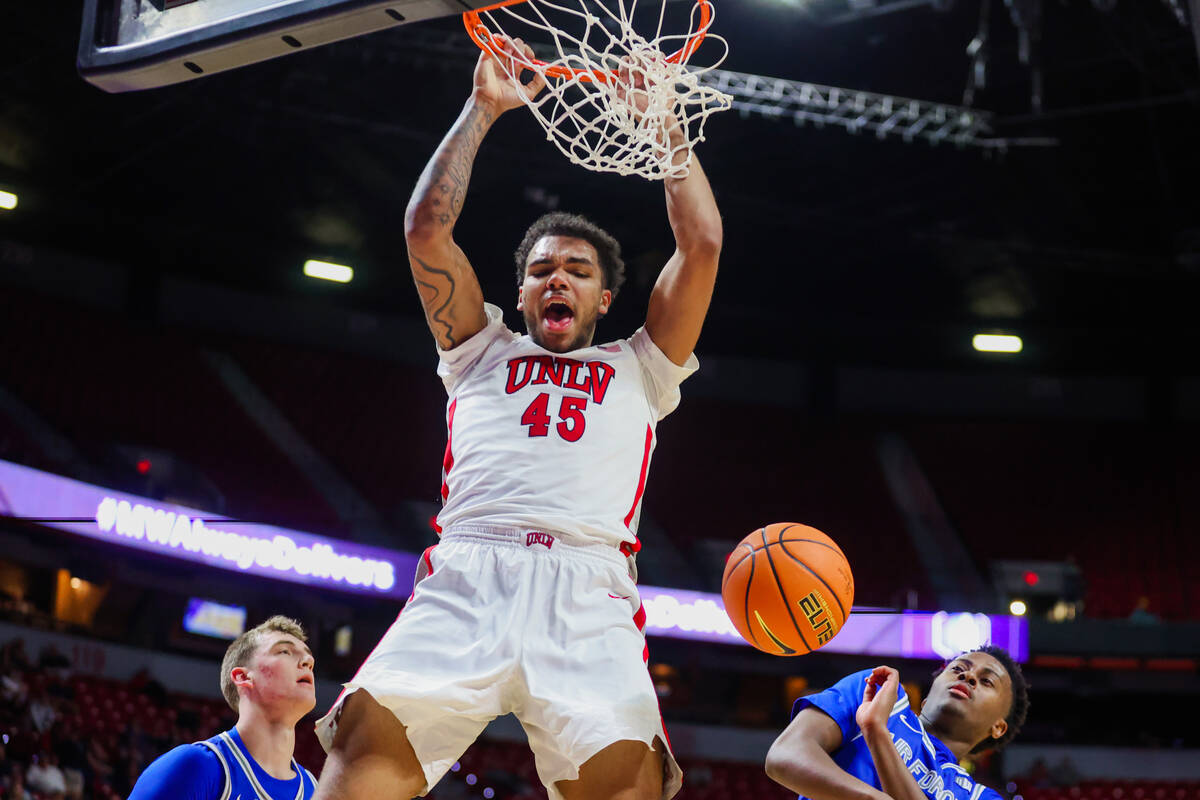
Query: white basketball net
617,122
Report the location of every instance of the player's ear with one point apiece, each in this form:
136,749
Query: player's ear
998,729
240,676
521,299
605,301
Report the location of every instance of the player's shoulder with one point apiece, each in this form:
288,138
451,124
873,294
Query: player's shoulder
196,757
194,766
855,681
616,346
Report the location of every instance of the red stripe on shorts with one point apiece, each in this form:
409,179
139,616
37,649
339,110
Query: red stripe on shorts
629,549
448,458
639,619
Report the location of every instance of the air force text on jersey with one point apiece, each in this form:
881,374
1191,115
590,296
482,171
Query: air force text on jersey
930,762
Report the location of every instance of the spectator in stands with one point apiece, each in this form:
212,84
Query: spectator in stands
99,762
267,678
15,788
142,747
13,689
1142,614
45,778
72,756
6,766
42,712
1064,773
14,658
51,658
143,682
14,663
1039,774
861,738
126,767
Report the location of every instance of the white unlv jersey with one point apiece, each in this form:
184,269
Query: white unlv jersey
557,442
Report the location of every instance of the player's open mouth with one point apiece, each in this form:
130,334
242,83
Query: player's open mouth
960,690
306,679
558,316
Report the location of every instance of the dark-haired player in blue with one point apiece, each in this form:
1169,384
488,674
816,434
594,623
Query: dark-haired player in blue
861,740
267,678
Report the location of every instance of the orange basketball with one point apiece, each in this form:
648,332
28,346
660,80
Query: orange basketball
787,588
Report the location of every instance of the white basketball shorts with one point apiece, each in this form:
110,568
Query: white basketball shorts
504,620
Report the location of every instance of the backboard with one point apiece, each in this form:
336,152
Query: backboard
126,45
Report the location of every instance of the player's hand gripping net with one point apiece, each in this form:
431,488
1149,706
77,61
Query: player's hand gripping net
615,101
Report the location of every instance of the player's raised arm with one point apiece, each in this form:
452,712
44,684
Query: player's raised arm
684,289
800,760
879,697
446,282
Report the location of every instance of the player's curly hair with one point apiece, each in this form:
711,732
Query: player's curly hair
1020,699
559,223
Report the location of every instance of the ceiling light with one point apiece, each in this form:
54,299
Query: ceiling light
327,271
997,343
8,200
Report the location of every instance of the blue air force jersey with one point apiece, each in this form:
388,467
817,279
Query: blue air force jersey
931,763
219,768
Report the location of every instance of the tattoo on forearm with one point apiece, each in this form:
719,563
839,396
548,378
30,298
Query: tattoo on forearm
435,306
443,186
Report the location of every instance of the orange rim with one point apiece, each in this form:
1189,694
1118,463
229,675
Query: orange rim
485,39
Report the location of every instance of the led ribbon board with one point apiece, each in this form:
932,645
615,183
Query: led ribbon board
272,552
911,634
191,535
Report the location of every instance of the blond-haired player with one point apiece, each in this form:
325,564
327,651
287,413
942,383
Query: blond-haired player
267,678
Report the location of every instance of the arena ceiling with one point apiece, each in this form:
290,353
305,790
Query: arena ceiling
839,248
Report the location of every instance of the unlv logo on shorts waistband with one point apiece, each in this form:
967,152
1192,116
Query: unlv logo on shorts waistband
537,537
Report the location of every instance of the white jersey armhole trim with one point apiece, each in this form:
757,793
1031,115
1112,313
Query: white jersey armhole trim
224,768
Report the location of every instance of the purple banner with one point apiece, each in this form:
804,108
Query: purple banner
192,535
272,552
699,615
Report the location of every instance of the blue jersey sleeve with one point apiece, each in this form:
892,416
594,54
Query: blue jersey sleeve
189,772
989,793
840,702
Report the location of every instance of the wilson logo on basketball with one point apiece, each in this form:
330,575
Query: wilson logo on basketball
816,611
539,538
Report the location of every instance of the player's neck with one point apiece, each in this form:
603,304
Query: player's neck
959,748
270,741
579,344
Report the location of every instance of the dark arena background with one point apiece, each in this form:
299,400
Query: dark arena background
164,356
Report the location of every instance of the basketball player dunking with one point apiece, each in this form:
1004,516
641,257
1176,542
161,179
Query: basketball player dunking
528,604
